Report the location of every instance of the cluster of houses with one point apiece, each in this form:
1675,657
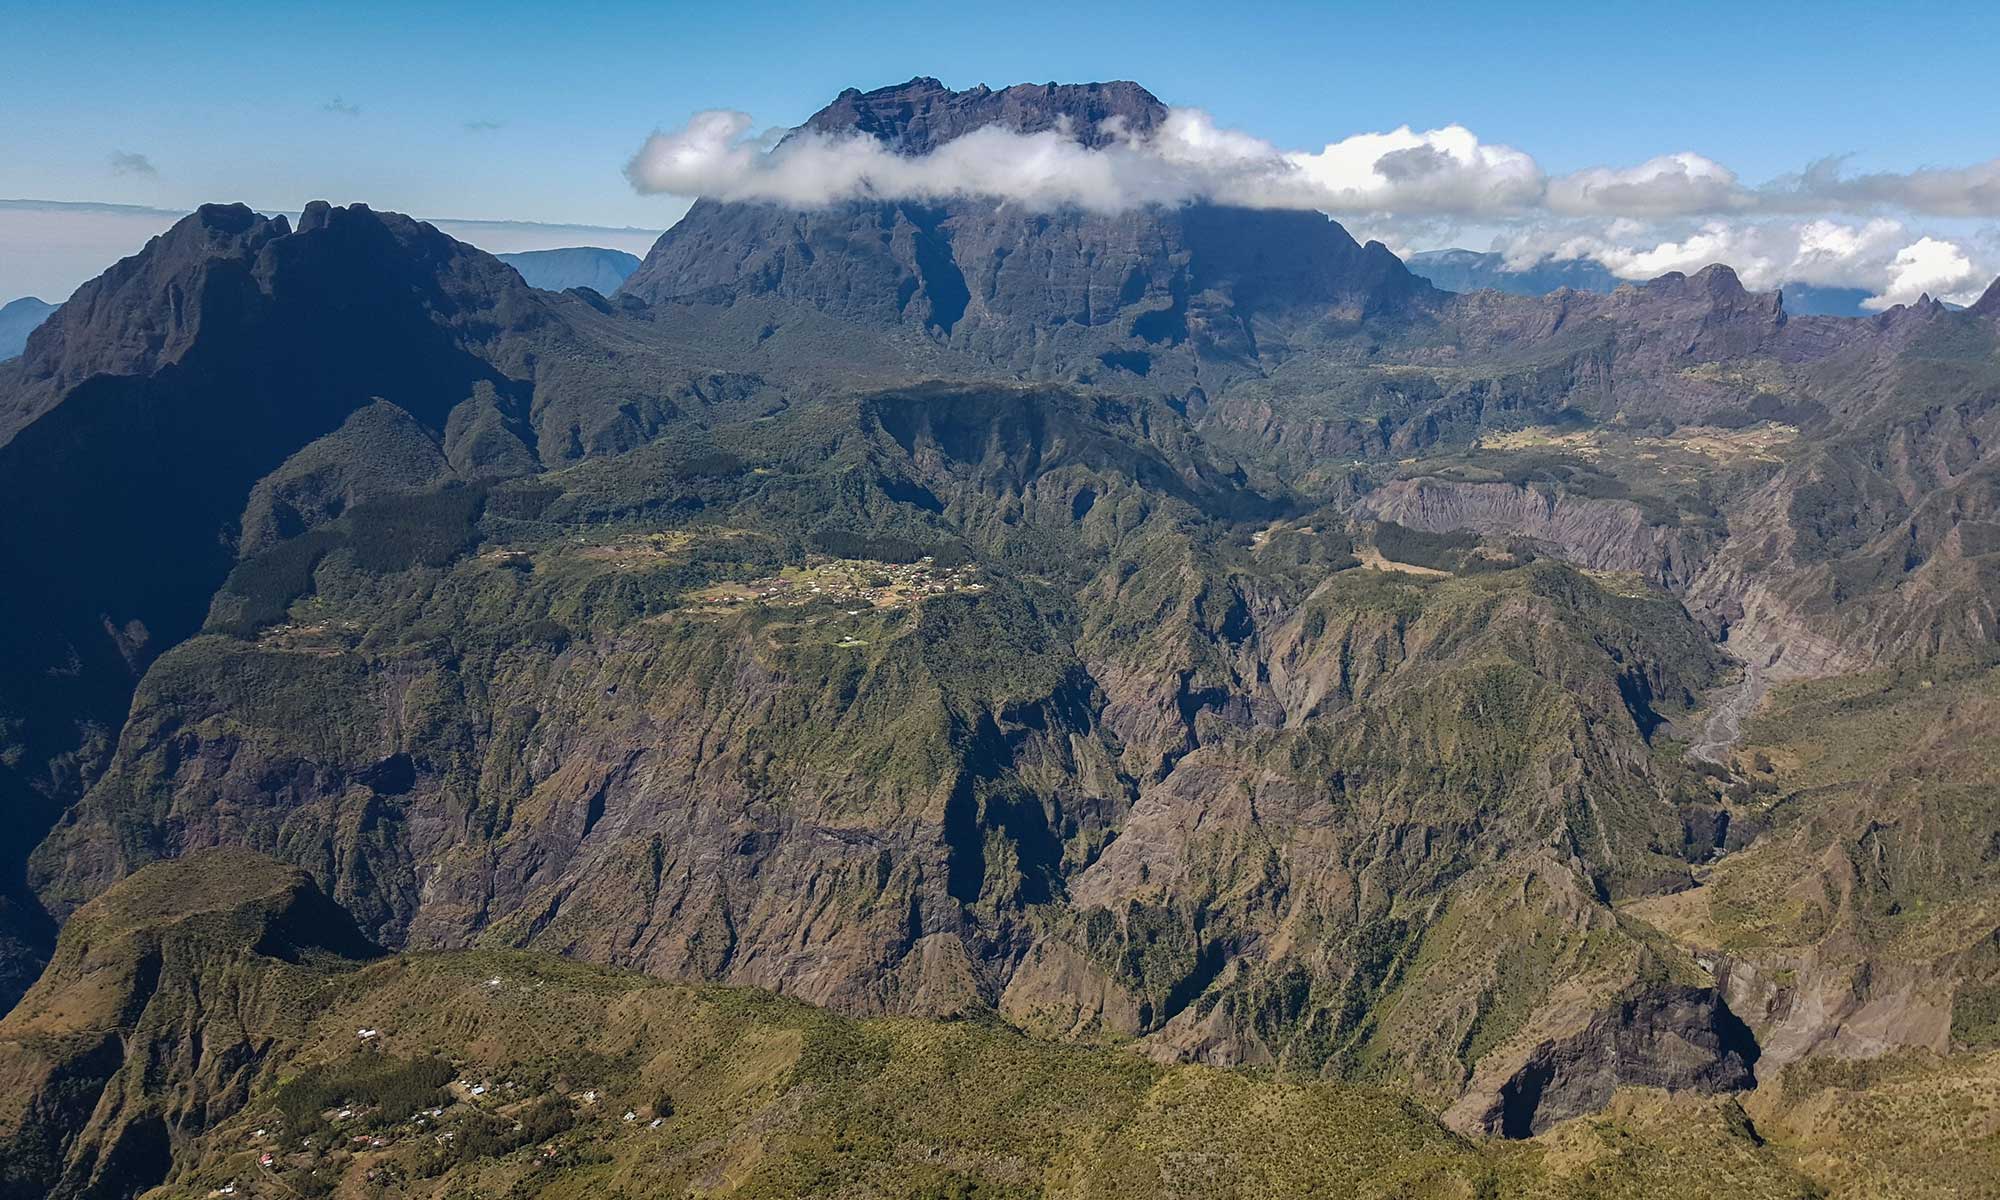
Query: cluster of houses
464,1091
846,581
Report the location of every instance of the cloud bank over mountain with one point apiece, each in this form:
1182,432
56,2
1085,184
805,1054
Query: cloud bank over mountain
1899,235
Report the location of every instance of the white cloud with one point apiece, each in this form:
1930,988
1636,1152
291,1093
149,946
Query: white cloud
1670,185
1189,158
1970,191
1930,267
1894,264
1439,170
715,155
1448,170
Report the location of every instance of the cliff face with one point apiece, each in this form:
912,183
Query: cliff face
1602,535
917,117
237,382
1680,1039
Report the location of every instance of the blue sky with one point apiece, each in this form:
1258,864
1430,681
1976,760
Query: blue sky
530,111
233,101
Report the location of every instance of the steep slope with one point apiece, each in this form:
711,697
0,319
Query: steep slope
236,382
656,745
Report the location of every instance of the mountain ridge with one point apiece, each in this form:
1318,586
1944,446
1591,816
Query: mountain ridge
1459,270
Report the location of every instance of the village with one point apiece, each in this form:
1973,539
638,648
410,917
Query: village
823,579
467,1116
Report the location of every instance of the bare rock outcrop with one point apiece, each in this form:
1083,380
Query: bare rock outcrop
1675,1038
1606,535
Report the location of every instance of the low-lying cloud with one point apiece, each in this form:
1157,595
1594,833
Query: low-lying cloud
1893,262
1189,157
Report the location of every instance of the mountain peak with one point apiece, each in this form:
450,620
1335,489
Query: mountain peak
1988,305
1719,280
923,114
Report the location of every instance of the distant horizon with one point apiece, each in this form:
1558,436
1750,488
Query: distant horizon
74,241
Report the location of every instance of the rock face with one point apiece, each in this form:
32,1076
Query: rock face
1605,535
18,319
149,406
148,409
600,270
1674,1038
917,117
153,1018
1988,305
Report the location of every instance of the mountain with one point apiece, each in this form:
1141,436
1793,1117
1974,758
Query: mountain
201,398
1471,271
1138,294
18,319
1202,641
161,1001
1988,305
600,270
198,1036
294,1068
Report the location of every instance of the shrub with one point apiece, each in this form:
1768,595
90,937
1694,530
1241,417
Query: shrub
394,1088
267,585
846,543
428,529
1439,551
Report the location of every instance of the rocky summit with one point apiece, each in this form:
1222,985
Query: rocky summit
950,699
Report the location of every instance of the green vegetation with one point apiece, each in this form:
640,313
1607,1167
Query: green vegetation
1439,551
391,1090
581,1081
